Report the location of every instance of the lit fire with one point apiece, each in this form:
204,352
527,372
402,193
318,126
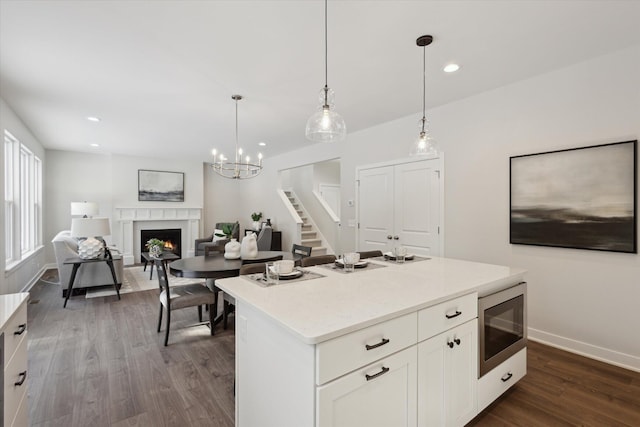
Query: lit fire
169,246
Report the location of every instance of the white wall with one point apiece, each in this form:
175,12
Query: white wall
110,180
582,300
23,275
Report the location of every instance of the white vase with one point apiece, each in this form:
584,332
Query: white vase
249,246
232,249
256,225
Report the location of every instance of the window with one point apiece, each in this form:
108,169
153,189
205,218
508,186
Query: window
22,200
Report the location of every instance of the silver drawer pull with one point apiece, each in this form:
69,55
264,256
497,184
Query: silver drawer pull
507,377
383,371
381,343
22,374
21,328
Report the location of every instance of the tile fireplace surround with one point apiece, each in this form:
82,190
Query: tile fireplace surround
127,223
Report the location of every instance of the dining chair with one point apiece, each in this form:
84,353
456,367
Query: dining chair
370,254
253,265
317,260
301,251
177,297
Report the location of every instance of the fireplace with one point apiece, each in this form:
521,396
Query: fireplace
172,238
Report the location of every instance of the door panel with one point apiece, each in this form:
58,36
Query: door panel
417,203
375,201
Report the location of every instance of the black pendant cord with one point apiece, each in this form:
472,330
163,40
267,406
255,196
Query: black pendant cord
424,85
236,133
326,56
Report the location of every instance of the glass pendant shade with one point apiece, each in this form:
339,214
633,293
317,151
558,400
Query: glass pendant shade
424,145
326,125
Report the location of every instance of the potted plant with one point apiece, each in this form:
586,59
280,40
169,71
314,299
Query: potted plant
256,220
155,247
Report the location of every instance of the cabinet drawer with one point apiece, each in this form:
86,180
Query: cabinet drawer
500,378
381,394
15,330
22,414
344,354
439,318
13,394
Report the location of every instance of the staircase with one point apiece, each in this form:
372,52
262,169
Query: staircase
309,233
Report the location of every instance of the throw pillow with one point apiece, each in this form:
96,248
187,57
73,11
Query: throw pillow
218,235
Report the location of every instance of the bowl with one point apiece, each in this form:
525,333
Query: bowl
284,266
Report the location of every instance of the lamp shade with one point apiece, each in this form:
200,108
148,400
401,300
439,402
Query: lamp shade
84,209
90,227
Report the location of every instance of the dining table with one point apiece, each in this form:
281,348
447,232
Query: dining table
216,266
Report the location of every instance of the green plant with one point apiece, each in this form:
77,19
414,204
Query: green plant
227,231
256,216
154,242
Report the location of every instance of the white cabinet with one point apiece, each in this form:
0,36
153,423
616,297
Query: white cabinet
381,394
447,377
400,204
13,315
501,378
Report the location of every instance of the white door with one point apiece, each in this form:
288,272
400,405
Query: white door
401,205
331,194
375,208
417,207
382,394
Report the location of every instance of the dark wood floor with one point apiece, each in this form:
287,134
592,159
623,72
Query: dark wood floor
100,362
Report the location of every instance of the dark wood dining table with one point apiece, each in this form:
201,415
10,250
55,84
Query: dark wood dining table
218,267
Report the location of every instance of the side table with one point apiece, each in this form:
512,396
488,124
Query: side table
164,257
77,262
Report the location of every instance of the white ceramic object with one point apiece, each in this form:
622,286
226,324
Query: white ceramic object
256,225
232,249
249,247
284,266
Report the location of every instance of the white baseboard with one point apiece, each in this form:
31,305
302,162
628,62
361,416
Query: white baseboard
37,276
612,357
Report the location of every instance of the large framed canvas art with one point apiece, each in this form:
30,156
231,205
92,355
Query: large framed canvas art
583,198
160,186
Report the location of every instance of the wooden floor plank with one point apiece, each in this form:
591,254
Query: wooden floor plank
101,362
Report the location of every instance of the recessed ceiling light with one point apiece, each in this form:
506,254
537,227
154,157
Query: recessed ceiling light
95,145
93,119
262,144
451,68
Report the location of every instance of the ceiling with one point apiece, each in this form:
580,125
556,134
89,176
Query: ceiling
160,74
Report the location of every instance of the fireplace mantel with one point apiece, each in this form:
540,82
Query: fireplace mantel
127,219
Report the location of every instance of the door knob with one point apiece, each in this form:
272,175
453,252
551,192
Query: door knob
395,237
389,237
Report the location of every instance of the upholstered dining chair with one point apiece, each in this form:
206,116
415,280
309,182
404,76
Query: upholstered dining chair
370,254
177,297
317,260
302,251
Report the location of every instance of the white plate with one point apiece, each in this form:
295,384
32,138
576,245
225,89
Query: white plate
291,275
362,263
392,256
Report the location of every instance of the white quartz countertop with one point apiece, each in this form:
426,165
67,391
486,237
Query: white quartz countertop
9,303
321,309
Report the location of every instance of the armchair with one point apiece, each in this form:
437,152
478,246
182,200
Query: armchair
89,275
214,243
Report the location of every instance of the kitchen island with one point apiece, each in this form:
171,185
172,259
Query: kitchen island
358,349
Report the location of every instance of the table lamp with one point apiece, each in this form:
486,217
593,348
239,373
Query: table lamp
90,228
84,209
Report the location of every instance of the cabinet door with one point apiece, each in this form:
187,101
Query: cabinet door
447,377
382,394
417,207
375,209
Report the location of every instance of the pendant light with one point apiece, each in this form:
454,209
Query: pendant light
424,145
326,125
238,169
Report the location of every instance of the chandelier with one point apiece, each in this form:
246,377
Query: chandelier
424,145
326,125
237,169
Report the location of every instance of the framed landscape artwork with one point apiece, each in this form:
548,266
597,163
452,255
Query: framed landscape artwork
583,198
160,186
